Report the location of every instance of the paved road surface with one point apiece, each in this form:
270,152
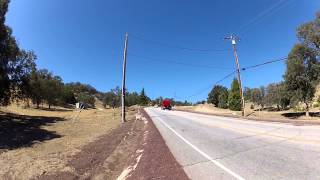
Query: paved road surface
211,147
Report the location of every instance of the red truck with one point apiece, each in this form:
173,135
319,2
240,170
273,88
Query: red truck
166,104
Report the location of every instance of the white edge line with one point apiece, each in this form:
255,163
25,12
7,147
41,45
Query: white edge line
202,153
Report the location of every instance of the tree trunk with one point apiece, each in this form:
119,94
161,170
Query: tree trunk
307,110
49,106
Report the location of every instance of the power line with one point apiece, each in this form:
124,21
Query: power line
208,87
179,63
232,73
267,12
178,47
265,63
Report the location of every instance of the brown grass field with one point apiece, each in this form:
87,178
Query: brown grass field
34,142
256,113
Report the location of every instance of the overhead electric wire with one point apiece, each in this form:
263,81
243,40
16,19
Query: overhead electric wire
208,87
178,63
177,47
232,73
267,12
265,63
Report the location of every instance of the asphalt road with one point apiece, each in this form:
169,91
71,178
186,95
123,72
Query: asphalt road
212,147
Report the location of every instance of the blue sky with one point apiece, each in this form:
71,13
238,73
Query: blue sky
83,40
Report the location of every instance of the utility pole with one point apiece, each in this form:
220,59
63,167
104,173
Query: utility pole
234,40
123,108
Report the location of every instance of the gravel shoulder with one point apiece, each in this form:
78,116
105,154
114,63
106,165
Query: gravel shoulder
156,160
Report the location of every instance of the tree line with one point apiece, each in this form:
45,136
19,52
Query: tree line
21,80
299,83
113,98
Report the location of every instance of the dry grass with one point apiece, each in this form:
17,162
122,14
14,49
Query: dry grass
75,130
252,113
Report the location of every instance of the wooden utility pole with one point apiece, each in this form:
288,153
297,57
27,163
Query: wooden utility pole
233,40
123,108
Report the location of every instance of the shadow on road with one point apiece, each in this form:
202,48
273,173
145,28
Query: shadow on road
22,131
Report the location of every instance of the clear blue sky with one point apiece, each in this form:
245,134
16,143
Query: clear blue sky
83,40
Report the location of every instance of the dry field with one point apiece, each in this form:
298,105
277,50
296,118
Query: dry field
36,142
253,113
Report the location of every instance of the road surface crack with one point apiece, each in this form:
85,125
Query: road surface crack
192,164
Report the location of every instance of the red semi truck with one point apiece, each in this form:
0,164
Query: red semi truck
166,104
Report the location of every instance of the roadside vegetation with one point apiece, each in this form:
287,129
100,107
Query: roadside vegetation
297,91
41,131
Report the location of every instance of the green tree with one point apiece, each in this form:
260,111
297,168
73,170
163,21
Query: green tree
223,99
45,87
86,98
78,87
67,96
309,35
9,50
36,89
277,95
15,64
110,100
302,75
213,96
113,98
234,99
143,99
132,99
24,66
52,89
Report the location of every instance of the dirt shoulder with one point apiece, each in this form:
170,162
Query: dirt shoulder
134,150
263,117
105,157
153,159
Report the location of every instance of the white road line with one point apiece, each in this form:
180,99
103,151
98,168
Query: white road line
202,153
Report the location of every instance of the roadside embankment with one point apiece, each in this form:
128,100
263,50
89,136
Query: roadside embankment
288,116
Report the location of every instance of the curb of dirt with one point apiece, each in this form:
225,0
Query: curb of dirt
296,122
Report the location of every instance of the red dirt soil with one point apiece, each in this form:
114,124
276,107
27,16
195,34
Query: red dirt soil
157,162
